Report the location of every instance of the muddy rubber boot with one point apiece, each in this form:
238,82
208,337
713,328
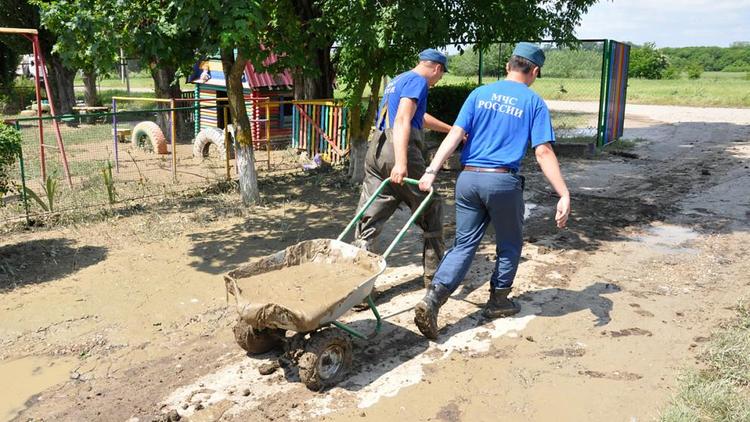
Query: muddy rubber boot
426,311
499,305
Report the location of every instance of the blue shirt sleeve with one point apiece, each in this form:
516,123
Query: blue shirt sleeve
415,88
466,115
541,126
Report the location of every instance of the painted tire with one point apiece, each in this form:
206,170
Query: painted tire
326,360
208,139
148,135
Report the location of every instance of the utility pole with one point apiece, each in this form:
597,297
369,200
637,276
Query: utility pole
124,71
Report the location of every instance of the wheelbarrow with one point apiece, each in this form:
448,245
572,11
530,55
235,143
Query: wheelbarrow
288,292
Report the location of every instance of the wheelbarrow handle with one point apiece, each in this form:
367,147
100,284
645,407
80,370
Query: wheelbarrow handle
401,233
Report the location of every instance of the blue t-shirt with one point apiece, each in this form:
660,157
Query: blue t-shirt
406,85
501,119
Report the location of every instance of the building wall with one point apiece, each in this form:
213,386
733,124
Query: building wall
209,115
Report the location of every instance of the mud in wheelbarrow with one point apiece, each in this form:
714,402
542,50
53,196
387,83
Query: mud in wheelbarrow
304,290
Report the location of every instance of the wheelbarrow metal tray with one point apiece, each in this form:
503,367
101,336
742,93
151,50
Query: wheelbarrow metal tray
276,310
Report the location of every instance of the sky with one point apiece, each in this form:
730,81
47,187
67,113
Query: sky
669,23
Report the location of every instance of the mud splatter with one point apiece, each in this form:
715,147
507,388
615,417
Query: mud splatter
449,413
628,332
614,375
568,352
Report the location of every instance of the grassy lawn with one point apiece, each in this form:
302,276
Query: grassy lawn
139,80
713,89
720,390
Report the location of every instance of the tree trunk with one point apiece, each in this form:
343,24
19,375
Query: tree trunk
360,127
311,87
166,86
60,83
89,82
318,50
248,178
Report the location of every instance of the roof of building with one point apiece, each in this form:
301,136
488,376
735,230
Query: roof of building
211,73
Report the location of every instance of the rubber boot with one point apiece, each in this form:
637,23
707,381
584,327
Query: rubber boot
499,305
426,311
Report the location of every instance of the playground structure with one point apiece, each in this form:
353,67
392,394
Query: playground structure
265,96
40,66
185,160
614,95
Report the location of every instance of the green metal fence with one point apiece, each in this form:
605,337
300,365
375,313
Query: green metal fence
113,158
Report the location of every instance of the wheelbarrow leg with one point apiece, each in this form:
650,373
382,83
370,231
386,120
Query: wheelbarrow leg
355,333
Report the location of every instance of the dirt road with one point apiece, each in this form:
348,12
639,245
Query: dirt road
126,319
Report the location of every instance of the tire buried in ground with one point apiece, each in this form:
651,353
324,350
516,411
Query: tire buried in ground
255,341
148,135
326,360
207,139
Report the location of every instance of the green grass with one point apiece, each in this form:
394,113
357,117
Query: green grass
138,80
724,75
706,92
720,391
713,89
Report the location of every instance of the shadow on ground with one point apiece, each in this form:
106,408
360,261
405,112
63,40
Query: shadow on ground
39,261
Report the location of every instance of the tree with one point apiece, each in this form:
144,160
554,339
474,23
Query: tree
647,62
694,70
22,14
376,38
9,60
234,29
79,26
150,30
10,146
311,34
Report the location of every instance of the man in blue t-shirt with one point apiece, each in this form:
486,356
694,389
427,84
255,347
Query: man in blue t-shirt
395,151
501,120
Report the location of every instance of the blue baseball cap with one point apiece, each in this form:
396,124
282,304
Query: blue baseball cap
433,55
530,52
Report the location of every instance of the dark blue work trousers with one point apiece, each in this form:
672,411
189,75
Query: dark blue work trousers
481,199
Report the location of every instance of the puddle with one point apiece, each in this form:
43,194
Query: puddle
669,238
23,378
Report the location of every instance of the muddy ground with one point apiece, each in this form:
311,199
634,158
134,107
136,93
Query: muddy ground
127,319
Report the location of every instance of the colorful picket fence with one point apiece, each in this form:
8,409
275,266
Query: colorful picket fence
320,127
615,87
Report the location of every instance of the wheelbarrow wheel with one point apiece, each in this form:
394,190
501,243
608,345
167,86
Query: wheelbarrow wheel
256,341
326,360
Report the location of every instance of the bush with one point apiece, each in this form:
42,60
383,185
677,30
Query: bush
466,63
671,72
15,96
647,62
738,66
444,102
10,146
694,70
